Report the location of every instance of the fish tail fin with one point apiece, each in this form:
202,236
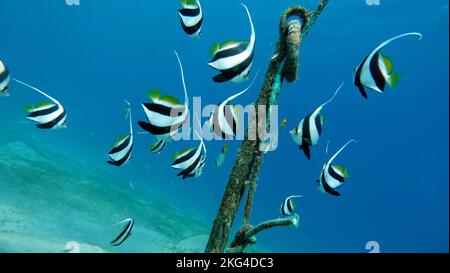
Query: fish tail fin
393,80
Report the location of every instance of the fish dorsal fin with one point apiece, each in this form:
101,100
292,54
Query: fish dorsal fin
341,170
253,35
154,94
128,220
383,44
127,112
227,101
202,143
39,91
340,150
387,62
332,98
186,97
120,140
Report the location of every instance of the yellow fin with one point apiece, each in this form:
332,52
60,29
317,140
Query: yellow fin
387,62
154,94
175,156
170,99
342,170
214,48
393,80
231,42
29,107
121,138
225,149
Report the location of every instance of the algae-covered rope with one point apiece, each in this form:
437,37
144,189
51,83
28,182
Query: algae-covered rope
247,165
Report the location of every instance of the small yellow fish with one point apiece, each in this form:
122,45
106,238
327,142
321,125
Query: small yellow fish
283,123
221,158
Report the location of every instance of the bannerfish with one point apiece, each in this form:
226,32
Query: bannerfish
158,146
5,79
122,148
333,176
191,17
221,157
288,206
191,161
377,69
308,131
223,121
46,115
125,232
165,114
234,59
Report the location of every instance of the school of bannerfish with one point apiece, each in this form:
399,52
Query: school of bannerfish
166,114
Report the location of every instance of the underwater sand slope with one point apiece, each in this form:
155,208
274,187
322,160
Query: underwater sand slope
44,205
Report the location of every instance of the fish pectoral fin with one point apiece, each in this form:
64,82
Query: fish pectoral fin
393,80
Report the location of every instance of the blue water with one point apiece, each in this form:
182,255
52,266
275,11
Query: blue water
94,55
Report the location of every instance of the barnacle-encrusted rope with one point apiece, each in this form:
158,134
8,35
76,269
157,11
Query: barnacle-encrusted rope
246,168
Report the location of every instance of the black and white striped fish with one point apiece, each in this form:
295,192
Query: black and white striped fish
191,161
234,59
46,115
158,146
376,69
333,176
308,131
288,206
191,17
5,79
224,120
124,233
122,149
165,114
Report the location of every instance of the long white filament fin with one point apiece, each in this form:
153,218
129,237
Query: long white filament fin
131,121
253,35
340,150
36,89
383,44
198,135
124,221
334,95
186,98
243,91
